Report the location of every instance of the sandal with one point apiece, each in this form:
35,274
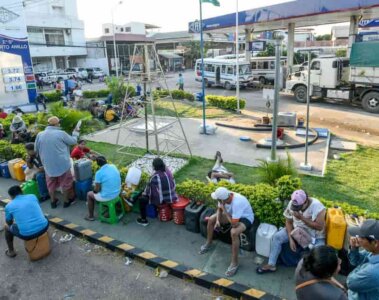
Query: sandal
231,271
262,271
204,249
89,219
10,255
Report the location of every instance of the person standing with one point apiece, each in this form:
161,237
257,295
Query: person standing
40,99
53,147
363,281
233,209
181,82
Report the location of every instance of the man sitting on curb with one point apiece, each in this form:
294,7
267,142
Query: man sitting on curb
107,186
363,281
305,217
236,210
24,218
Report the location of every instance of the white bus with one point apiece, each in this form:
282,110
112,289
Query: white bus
222,72
263,68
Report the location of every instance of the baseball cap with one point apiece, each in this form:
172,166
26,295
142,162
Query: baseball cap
220,193
298,199
368,229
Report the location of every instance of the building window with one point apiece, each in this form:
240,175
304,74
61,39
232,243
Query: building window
35,35
54,37
128,29
106,30
122,29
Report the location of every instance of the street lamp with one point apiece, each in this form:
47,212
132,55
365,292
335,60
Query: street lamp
114,37
237,61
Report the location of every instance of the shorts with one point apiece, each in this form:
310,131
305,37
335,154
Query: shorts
16,232
99,198
247,223
65,181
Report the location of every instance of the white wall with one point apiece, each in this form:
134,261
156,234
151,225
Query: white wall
136,28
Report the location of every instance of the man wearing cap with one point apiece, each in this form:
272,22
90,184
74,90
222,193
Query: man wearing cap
303,214
235,209
363,281
53,147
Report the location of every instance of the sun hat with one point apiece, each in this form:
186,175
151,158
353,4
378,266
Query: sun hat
298,199
221,193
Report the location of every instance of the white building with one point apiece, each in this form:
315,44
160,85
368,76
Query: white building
56,35
130,28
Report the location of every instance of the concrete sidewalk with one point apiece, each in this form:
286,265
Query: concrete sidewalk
174,242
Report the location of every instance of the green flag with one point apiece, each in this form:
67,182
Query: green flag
214,2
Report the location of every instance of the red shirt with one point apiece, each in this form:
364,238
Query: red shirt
78,153
3,115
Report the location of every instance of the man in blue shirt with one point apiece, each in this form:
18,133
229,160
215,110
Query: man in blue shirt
363,281
107,185
24,218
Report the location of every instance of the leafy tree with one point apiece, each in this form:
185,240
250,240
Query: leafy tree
324,37
193,50
341,53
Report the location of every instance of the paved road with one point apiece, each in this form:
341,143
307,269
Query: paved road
78,270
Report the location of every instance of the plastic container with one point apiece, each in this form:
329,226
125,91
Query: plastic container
178,210
82,188
133,176
351,222
4,169
263,239
30,187
164,212
19,171
192,214
11,165
335,228
247,238
151,211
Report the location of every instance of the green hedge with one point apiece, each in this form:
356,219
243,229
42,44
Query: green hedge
10,151
29,119
53,96
263,198
176,94
225,102
96,94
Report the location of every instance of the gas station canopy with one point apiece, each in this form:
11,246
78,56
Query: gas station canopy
303,13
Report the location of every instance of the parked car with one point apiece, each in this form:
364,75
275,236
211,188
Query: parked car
53,76
96,72
80,73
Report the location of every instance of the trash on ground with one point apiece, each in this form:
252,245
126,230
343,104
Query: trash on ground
161,273
66,238
128,261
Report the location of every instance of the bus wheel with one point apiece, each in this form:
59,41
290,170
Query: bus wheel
370,102
300,93
228,86
262,80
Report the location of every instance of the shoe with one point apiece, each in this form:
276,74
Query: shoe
54,204
44,198
204,249
69,203
143,222
129,202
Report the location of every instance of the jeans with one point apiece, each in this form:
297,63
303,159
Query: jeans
278,240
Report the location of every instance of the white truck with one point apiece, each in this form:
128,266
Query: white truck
51,77
354,80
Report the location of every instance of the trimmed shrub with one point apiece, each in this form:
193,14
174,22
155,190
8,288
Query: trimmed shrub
225,102
180,95
96,94
286,186
10,151
53,96
118,89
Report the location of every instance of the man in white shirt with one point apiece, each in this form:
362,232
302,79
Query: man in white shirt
234,209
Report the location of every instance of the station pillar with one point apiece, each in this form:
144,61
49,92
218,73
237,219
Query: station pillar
290,46
248,40
353,31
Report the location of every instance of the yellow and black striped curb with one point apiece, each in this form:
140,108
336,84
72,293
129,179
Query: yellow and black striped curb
209,281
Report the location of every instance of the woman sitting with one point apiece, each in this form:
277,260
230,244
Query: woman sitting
110,115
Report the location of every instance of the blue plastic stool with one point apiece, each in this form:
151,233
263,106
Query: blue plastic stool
4,169
82,188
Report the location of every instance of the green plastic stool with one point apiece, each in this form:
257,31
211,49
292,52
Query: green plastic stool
114,214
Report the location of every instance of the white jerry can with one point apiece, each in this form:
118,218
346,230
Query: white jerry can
263,240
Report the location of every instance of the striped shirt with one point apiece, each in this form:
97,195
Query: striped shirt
161,188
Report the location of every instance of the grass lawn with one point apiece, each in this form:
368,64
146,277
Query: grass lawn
186,110
353,179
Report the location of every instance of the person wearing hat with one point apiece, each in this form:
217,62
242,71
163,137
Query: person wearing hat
363,281
18,128
234,209
53,147
305,220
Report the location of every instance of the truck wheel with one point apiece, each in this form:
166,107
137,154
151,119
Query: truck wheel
370,102
262,80
300,93
228,86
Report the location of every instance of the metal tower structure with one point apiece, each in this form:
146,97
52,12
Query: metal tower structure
162,135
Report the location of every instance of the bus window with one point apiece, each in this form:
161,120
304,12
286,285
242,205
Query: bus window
254,65
223,69
209,68
260,65
265,65
198,66
244,70
230,70
272,65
